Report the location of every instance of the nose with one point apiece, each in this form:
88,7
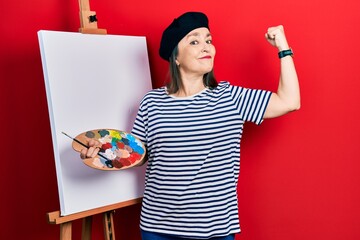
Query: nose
205,48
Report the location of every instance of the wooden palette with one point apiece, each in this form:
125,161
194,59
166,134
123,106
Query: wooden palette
119,150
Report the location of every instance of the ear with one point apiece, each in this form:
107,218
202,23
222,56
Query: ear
177,62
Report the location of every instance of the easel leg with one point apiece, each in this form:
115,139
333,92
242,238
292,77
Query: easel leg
65,231
86,228
108,219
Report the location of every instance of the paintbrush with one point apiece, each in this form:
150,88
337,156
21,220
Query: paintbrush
81,143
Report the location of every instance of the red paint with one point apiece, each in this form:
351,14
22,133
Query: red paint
134,157
120,145
106,146
117,164
125,162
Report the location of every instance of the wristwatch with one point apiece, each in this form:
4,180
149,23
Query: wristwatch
285,53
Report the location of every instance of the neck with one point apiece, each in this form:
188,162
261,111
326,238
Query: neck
190,87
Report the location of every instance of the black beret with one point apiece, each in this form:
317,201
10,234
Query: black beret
178,29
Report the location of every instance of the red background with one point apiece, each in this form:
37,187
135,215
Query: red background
299,173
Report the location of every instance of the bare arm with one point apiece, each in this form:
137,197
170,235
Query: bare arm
287,97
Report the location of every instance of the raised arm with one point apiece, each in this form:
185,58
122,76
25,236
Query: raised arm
287,97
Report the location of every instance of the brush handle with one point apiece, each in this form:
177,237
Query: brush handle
80,143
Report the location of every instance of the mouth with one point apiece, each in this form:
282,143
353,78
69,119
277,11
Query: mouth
206,57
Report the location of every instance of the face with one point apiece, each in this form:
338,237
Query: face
196,52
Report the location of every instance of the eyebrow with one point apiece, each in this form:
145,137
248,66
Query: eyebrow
196,34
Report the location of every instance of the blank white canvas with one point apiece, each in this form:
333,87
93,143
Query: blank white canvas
92,81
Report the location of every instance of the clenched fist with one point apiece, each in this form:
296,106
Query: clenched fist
276,37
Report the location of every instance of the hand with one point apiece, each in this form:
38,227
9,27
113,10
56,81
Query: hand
276,37
92,151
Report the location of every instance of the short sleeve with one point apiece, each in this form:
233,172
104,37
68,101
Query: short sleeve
252,104
140,124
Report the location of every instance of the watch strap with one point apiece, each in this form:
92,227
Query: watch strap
285,53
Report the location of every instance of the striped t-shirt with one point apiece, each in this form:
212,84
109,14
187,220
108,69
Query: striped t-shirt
193,146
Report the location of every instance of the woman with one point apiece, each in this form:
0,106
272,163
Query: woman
192,130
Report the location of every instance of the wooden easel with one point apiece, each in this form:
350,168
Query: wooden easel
86,216
88,19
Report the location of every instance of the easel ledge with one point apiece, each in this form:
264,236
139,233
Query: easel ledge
107,211
56,218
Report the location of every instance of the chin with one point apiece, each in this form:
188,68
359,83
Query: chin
206,68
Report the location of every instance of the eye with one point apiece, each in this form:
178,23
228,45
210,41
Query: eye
209,41
195,42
